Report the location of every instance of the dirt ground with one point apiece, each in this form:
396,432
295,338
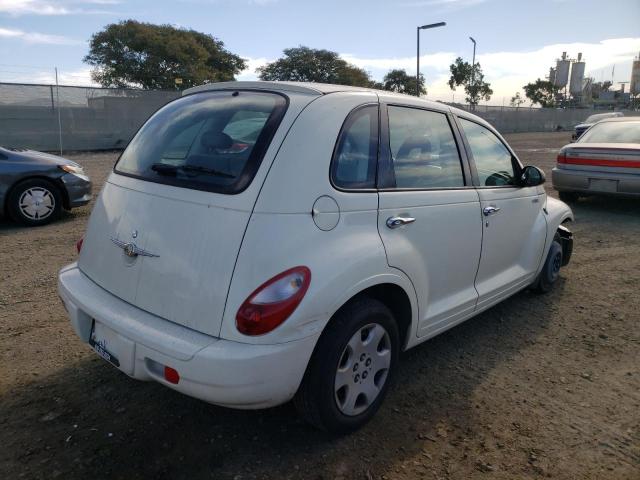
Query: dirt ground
536,387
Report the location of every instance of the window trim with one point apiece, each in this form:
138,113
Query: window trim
515,161
386,173
254,161
348,121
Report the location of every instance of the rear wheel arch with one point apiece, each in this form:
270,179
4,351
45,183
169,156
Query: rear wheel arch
394,297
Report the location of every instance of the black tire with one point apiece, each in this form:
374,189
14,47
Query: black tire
317,397
28,189
551,269
568,196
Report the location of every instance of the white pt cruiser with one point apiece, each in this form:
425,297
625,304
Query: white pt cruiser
259,242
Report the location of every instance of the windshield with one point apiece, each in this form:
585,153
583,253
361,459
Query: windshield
600,116
211,141
612,132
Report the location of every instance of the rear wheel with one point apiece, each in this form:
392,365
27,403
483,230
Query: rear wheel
34,202
351,368
551,269
568,196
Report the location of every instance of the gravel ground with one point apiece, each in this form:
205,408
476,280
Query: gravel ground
538,386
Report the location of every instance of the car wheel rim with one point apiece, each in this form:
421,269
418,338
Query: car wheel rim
363,369
37,203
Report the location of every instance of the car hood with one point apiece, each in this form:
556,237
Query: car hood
39,157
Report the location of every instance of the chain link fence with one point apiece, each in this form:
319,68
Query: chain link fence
51,118
47,117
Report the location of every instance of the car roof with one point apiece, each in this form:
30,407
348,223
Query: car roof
312,88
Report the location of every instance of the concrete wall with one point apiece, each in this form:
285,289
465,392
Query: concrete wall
104,119
90,119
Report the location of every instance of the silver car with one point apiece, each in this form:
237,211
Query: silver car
605,161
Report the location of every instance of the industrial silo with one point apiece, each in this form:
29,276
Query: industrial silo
635,77
577,77
562,71
552,75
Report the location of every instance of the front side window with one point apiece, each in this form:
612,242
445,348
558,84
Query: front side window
356,154
423,149
493,160
211,141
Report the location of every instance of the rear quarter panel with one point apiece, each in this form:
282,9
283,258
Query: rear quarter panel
282,234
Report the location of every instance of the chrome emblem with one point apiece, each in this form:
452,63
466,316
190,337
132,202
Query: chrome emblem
134,234
131,249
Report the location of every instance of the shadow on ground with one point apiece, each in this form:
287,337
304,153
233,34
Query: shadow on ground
94,422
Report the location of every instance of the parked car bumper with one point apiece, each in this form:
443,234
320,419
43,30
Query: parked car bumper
78,189
596,183
215,370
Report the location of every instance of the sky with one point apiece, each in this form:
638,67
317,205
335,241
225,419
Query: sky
517,40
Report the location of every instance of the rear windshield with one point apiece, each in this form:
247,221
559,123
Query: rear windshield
211,141
612,132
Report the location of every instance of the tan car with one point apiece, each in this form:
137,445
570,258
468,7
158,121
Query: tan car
605,160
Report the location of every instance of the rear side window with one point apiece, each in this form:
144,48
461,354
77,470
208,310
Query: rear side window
423,149
494,162
356,153
212,141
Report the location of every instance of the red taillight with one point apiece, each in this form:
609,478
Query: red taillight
79,244
273,301
171,375
562,158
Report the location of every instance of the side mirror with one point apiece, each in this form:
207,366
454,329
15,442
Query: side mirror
531,176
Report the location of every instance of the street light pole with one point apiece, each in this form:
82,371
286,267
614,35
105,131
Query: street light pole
473,64
423,27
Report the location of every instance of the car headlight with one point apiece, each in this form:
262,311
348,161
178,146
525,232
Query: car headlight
72,169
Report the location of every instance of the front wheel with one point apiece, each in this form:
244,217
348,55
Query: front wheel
35,202
351,368
551,269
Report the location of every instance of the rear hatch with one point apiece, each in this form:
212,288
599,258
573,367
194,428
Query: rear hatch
166,230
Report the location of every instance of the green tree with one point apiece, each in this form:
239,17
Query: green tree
542,92
135,54
472,78
304,64
516,100
398,81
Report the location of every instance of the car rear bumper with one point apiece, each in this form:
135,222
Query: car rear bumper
217,371
600,183
78,189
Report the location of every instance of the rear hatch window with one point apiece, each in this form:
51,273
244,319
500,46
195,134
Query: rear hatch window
212,141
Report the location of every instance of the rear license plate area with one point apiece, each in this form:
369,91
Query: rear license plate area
599,185
112,347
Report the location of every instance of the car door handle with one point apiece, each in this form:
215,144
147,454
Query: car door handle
395,222
490,210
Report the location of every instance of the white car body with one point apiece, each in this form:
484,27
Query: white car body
178,309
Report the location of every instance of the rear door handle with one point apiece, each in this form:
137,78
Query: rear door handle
395,222
490,210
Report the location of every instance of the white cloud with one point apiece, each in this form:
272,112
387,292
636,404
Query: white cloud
35,37
508,71
443,5
51,7
26,74
249,73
